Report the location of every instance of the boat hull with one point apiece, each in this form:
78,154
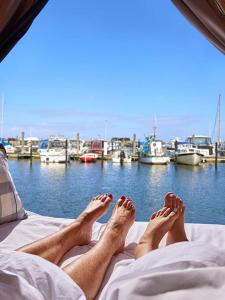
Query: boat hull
119,160
89,158
54,156
155,160
191,159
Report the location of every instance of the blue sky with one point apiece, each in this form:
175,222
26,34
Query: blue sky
106,68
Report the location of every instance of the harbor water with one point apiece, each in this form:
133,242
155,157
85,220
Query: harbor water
63,191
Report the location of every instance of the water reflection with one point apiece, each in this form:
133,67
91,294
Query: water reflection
188,168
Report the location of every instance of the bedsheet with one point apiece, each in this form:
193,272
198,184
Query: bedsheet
19,233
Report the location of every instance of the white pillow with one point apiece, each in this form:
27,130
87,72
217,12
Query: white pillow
11,208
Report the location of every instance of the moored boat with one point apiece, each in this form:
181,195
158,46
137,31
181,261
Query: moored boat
121,157
88,157
154,159
55,152
154,154
188,156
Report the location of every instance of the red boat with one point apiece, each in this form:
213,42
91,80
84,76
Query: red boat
89,157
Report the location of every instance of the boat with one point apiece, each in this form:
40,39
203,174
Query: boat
56,151
154,154
8,147
153,151
154,160
121,157
188,156
203,143
88,157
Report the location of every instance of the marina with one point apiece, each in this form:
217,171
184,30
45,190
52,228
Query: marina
61,190
57,149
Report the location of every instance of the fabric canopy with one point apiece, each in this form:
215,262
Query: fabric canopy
16,16
208,16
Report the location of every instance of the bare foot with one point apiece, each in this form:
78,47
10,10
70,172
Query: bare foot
122,219
177,232
161,222
97,207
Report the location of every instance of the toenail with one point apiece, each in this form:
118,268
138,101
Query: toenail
110,196
122,197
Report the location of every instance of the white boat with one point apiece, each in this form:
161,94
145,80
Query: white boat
8,147
188,156
203,143
154,159
155,154
56,151
121,157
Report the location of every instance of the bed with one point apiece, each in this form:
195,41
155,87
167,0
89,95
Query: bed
16,234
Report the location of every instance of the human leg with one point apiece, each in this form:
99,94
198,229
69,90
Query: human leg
54,246
88,271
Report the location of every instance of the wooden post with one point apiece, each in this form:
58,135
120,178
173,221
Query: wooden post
216,153
66,152
102,150
139,145
31,151
22,142
134,145
112,146
78,143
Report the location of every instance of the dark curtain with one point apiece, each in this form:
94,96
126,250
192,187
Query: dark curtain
16,16
208,16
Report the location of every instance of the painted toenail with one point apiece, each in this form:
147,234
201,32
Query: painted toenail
110,196
122,197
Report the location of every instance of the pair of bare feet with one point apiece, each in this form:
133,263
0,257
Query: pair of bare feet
170,218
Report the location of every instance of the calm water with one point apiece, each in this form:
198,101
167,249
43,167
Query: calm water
60,191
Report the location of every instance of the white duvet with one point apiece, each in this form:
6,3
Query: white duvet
29,277
189,270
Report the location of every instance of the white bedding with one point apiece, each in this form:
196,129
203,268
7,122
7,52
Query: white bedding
141,279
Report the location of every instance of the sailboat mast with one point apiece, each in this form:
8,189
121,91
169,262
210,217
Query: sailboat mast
154,128
219,121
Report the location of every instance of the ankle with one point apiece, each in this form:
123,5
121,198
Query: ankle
149,243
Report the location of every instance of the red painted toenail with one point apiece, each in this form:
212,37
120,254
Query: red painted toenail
110,196
123,197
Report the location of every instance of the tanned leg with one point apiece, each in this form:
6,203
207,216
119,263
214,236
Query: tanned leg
88,271
54,246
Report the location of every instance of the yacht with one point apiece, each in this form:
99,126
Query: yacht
188,155
56,151
8,147
203,143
